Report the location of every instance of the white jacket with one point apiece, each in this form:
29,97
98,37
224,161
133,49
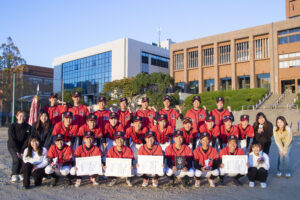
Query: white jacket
40,161
252,161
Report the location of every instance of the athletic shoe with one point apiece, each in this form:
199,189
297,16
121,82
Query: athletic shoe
77,183
145,183
251,184
155,183
21,177
288,175
237,182
197,183
112,182
14,178
128,182
263,185
93,180
279,174
211,183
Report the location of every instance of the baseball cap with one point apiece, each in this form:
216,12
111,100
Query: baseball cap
53,95
162,117
196,98
227,117
232,137
59,137
178,133
220,99
118,134
113,115
124,99
137,118
68,114
167,97
102,99
91,117
145,99
205,134
244,117
210,118
76,94
187,120
88,134
150,134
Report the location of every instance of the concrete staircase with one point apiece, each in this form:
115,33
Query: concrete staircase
269,102
287,100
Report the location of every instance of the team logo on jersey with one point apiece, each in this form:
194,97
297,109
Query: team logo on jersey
105,117
202,116
127,117
55,113
172,116
150,116
82,113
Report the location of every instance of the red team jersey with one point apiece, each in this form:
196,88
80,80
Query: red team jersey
147,117
213,132
172,116
55,112
155,151
219,116
85,128
225,134
114,153
172,152
109,130
79,114
197,116
137,138
225,151
249,131
211,155
162,136
102,117
64,155
81,151
124,118
59,128
188,137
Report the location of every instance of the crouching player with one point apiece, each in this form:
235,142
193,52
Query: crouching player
206,160
179,160
86,150
150,149
60,158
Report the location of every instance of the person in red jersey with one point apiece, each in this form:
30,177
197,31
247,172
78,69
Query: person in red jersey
163,132
135,136
125,114
109,130
190,136
211,128
246,132
196,113
87,150
120,151
80,112
146,113
54,110
102,114
206,161
179,159
220,112
172,114
227,129
66,128
60,158
150,149
231,149
91,125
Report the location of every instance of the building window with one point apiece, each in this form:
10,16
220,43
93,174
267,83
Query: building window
194,87
178,61
289,55
289,63
159,61
226,83
261,48
145,57
263,81
209,85
242,51
193,59
244,82
179,87
208,56
224,54
291,38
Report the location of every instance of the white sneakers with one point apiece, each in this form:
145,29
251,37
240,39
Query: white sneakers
93,180
14,178
77,183
21,177
155,183
211,183
145,183
279,174
288,175
128,183
197,183
263,185
251,184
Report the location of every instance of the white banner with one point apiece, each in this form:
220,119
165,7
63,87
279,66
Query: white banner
119,167
89,165
235,164
150,164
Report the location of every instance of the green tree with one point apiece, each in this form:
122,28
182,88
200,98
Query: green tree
68,96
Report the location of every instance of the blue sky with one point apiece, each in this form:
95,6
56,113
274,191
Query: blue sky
44,29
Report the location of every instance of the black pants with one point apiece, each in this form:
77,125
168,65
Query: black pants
16,162
37,175
266,147
257,174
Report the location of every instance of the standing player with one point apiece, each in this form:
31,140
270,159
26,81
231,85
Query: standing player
220,112
211,128
190,136
54,110
246,132
227,129
125,115
102,114
147,114
171,113
91,125
80,112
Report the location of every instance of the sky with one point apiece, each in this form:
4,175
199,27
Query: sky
45,29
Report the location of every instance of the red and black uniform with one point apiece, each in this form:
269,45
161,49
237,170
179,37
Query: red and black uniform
219,115
102,117
85,128
125,153
225,151
137,137
83,151
248,131
55,112
64,155
155,151
162,136
226,133
197,116
200,155
69,133
125,118
214,132
189,137
147,117
172,152
172,116
109,131
79,114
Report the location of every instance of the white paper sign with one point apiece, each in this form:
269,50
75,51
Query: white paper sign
235,164
88,165
119,167
150,164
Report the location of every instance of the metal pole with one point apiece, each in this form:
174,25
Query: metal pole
62,90
13,100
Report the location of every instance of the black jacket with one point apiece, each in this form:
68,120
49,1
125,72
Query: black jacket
265,136
18,135
45,137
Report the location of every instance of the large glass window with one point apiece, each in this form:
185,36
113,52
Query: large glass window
193,59
194,87
159,61
242,51
224,54
209,85
145,57
208,56
263,81
179,87
244,82
261,48
293,36
178,61
226,83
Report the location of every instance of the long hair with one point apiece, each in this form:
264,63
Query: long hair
255,144
256,123
39,123
30,149
282,118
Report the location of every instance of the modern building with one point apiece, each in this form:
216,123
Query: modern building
266,56
91,68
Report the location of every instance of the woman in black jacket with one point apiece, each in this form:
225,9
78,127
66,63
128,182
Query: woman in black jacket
263,130
18,134
43,130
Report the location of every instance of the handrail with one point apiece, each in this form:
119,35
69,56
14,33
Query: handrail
260,102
